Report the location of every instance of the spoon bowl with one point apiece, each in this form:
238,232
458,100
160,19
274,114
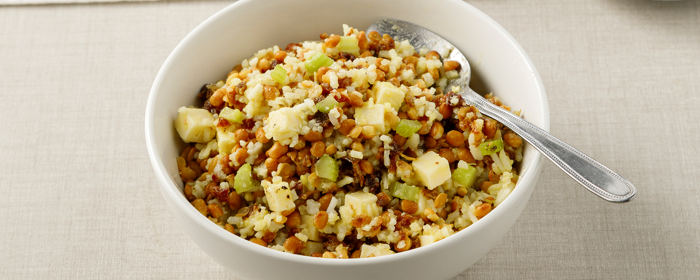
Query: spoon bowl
592,175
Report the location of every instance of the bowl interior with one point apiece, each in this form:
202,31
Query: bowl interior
499,64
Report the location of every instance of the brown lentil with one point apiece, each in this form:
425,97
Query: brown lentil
357,146
325,200
293,244
368,132
259,242
455,138
355,99
437,130
465,155
451,65
280,56
430,142
355,132
448,155
234,200
314,180
482,210
188,193
215,210
240,155
320,219
313,136
366,166
293,220
331,149
485,185
260,136
445,110
399,140
346,126
284,170
432,55
332,41
425,129
440,200
277,150
318,148
201,206
462,191
408,206
512,139
383,199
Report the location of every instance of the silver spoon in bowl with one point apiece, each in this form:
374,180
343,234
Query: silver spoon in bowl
594,176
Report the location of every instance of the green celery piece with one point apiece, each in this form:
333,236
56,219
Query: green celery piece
404,191
244,181
279,74
327,167
349,44
317,61
232,115
465,176
406,128
491,147
326,105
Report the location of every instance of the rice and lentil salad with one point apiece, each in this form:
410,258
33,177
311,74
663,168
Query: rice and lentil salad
343,148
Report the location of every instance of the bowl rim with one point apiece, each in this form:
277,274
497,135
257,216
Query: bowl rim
168,188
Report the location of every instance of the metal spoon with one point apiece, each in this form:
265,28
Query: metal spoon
594,176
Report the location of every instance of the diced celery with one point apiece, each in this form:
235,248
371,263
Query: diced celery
232,115
279,74
244,181
349,44
326,105
405,191
317,61
326,167
491,147
406,128
465,176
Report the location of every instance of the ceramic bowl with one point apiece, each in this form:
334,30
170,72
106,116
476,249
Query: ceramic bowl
499,65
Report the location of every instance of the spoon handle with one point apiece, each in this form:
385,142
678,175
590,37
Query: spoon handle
594,176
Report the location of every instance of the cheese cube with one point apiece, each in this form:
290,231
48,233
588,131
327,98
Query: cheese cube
426,240
195,125
371,114
388,93
368,251
359,203
432,169
279,196
284,123
226,140
312,233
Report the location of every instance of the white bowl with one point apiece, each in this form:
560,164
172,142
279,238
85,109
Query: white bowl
234,33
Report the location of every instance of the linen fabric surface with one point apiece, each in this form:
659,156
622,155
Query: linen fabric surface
80,200
53,2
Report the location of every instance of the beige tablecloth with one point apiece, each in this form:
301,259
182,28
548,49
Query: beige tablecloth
79,199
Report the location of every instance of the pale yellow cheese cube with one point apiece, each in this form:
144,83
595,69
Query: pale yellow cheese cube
426,240
432,169
368,251
283,124
195,125
226,140
371,114
279,196
359,203
388,93
312,231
